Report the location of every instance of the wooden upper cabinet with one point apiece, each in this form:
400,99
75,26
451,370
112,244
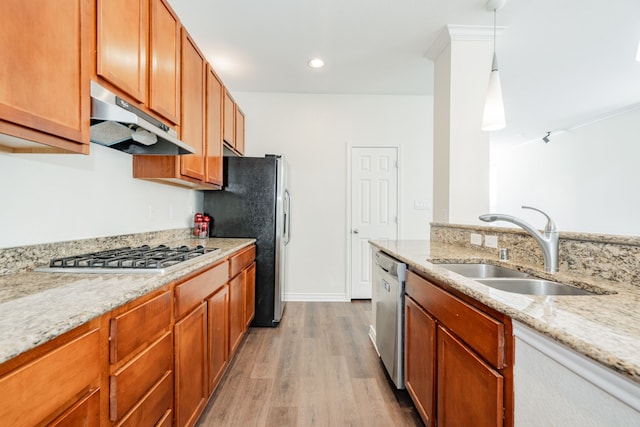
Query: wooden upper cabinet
164,61
46,68
215,99
122,40
138,53
193,87
239,131
229,115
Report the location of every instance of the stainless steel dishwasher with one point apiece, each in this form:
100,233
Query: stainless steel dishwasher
389,278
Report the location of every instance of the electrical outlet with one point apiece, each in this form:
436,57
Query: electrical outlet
491,241
476,239
420,205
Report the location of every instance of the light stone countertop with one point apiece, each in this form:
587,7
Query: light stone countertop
605,328
36,307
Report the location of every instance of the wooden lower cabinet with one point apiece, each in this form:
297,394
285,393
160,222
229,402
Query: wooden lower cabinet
191,385
458,358
85,413
154,407
218,317
131,382
55,385
249,295
470,392
140,361
420,368
236,312
152,362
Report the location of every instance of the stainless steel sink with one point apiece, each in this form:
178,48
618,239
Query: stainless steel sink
506,279
533,286
479,271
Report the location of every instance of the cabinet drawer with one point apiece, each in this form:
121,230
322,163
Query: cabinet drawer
166,419
64,374
136,327
153,407
239,262
136,378
482,333
85,413
192,292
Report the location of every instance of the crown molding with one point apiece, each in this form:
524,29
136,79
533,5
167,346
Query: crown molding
452,33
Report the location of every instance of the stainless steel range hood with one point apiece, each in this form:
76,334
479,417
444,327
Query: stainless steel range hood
117,124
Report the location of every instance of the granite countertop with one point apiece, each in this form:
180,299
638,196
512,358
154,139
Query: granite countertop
36,307
604,327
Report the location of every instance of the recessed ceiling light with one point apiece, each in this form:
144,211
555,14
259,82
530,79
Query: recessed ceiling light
316,63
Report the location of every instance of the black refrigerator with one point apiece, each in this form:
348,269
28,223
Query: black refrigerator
254,202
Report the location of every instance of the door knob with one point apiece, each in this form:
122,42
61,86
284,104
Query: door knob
355,231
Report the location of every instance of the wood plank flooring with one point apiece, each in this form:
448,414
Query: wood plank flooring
317,368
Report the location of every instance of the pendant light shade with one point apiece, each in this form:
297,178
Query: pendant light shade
493,117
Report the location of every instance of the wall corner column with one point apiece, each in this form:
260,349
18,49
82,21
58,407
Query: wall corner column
462,62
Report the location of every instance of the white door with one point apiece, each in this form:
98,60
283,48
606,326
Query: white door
374,209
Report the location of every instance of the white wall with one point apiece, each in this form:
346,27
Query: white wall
58,197
587,179
313,133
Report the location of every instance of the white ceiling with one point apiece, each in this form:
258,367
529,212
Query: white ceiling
562,63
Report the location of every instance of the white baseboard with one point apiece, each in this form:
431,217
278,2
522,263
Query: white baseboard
316,297
372,337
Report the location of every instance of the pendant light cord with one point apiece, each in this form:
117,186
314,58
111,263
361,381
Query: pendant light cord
494,31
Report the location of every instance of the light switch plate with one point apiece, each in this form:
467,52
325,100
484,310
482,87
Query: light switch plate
476,239
491,241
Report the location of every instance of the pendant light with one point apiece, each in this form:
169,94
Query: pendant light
493,116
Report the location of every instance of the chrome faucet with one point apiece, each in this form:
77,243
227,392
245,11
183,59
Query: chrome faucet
548,241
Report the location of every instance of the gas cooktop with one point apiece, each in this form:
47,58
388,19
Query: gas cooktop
142,259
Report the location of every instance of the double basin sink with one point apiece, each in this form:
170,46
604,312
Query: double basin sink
506,279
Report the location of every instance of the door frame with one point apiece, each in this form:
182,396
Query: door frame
348,223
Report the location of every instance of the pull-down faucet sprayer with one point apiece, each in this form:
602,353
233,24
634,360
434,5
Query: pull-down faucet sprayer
548,241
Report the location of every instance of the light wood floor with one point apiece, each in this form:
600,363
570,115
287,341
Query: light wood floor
317,368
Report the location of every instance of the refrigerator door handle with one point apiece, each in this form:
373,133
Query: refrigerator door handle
287,217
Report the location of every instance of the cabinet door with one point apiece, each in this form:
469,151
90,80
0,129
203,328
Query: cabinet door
229,113
249,295
470,392
191,387
239,137
164,67
236,312
420,359
218,317
122,39
193,73
215,98
46,50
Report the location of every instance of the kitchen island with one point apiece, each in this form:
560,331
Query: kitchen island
603,327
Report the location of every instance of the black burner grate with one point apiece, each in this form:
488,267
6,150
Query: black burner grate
143,257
